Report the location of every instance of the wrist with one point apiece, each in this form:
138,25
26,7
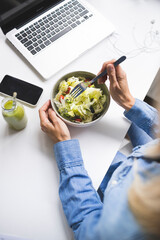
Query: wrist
63,138
129,104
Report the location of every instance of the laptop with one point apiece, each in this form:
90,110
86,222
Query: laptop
50,33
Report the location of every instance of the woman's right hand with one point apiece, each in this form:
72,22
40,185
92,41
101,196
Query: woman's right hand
119,89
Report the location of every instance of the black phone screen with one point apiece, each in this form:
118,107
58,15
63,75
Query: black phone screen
26,92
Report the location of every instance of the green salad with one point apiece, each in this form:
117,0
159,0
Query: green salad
83,109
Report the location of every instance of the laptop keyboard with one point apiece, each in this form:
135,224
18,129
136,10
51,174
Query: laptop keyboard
51,27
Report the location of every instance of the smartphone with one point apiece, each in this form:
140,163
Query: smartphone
26,92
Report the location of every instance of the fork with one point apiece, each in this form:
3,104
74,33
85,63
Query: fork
81,87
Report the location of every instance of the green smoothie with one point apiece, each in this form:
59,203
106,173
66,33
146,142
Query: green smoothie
13,112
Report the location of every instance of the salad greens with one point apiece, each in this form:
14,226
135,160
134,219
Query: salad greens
85,108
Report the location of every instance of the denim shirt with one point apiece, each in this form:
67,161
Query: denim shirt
89,218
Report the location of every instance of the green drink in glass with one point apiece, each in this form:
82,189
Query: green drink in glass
14,113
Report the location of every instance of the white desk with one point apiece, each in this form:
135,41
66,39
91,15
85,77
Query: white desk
29,201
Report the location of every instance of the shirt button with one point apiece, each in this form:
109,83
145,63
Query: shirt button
114,182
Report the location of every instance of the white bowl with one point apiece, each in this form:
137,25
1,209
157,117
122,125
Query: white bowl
87,75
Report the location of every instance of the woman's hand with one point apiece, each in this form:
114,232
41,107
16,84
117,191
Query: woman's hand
55,128
119,89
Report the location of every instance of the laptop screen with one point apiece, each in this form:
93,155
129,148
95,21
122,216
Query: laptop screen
10,8
13,9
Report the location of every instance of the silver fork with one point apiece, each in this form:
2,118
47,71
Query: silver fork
81,87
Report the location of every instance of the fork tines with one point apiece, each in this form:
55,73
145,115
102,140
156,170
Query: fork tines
77,90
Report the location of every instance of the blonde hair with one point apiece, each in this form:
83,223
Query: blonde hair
144,201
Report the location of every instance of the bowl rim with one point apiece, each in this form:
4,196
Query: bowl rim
78,124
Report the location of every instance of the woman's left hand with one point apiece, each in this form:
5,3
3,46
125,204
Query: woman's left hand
55,128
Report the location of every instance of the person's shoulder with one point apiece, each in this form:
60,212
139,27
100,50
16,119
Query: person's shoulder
118,221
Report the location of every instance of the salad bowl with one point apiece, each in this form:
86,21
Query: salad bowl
86,75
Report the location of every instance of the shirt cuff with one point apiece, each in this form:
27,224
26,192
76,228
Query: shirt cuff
68,154
139,107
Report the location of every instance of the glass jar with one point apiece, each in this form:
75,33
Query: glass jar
14,113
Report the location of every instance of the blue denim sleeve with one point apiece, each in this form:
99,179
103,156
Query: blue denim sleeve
81,203
144,116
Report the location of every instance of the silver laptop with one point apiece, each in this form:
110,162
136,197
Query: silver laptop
50,33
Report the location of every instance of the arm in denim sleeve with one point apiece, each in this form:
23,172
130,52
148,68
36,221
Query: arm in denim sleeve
144,116
81,203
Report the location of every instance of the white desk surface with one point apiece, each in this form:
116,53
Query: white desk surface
29,201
